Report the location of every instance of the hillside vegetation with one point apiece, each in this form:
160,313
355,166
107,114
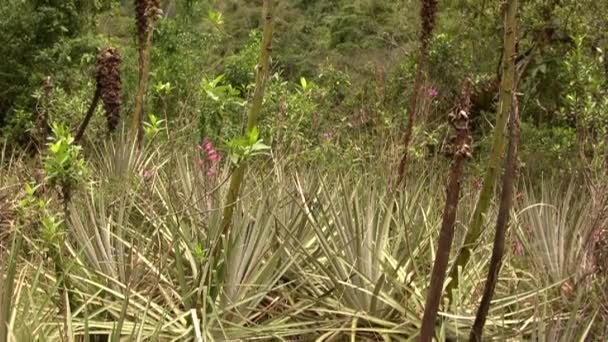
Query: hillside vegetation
303,170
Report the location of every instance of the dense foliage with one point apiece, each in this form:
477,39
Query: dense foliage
131,239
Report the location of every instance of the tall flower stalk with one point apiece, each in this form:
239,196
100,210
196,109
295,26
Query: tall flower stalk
108,88
109,82
498,143
460,147
502,221
146,12
263,73
428,14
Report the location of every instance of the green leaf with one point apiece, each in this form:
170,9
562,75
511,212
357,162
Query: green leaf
253,135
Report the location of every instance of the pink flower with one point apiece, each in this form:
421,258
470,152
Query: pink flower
212,156
518,247
433,92
597,235
207,144
148,175
477,184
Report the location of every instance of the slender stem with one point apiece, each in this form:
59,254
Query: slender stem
411,117
88,116
136,129
498,145
461,145
502,221
446,236
252,120
428,11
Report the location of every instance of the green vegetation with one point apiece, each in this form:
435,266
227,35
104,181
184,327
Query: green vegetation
236,170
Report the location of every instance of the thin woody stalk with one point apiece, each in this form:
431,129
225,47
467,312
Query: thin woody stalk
428,14
252,120
498,144
87,116
461,148
606,133
502,221
146,11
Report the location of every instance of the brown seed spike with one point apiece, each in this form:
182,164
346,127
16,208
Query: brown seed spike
145,12
461,142
109,84
428,14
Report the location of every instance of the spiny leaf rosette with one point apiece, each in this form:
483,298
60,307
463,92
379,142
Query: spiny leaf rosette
145,11
109,85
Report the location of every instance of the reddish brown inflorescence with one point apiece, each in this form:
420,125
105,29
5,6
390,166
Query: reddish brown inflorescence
145,11
428,13
460,143
109,84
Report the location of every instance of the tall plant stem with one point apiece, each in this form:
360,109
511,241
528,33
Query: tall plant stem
411,117
252,120
498,144
502,221
461,147
136,129
444,246
428,13
88,115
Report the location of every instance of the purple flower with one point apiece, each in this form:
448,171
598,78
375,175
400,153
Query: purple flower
433,92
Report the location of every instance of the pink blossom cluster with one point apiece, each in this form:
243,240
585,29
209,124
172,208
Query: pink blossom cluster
597,234
212,157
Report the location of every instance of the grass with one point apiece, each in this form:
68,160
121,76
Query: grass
327,257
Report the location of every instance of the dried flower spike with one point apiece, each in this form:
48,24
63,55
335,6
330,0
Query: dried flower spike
428,13
460,144
109,84
145,11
